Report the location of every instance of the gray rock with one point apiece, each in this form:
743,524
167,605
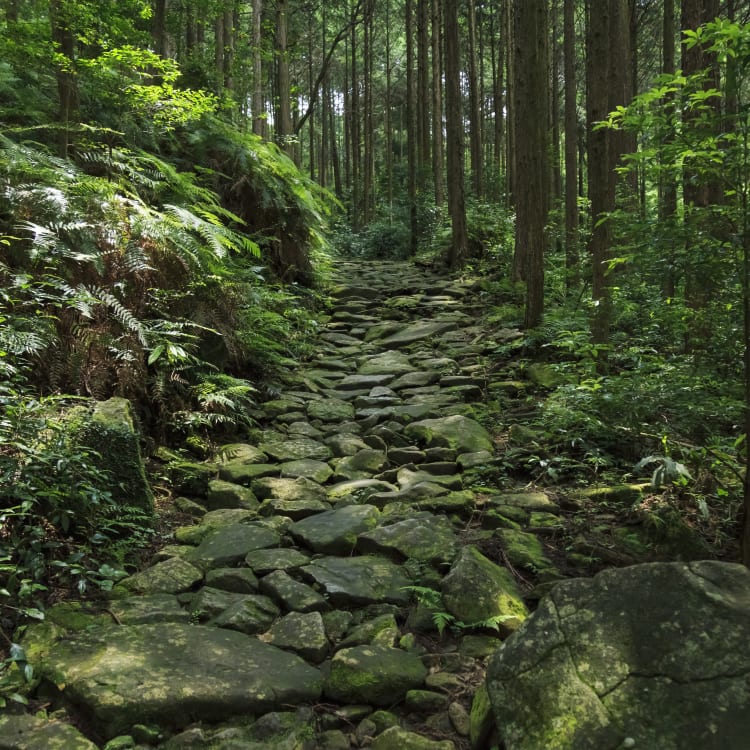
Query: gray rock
461,434
476,590
293,450
317,471
173,675
251,614
423,537
422,329
237,580
359,581
229,545
242,473
292,595
241,453
335,532
279,488
263,561
646,656
386,363
375,675
346,444
138,610
303,633
223,494
357,490
293,509
171,576
330,410
27,732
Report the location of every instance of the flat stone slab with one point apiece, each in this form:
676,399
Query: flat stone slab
647,656
330,410
295,449
317,471
172,576
139,610
335,532
359,581
229,545
26,732
387,363
363,382
264,561
173,675
422,329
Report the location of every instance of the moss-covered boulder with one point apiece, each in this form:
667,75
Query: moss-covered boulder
373,675
476,590
106,429
459,433
651,656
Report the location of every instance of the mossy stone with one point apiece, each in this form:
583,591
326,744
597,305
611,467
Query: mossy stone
107,430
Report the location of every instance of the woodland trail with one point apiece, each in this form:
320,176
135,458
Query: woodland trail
299,609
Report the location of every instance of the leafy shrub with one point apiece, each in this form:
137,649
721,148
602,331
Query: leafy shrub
56,519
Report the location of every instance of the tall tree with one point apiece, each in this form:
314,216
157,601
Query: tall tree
571,142
531,116
411,127
260,119
438,165
454,140
63,37
609,85
475,108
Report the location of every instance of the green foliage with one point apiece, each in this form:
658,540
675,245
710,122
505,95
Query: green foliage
432,600
56,515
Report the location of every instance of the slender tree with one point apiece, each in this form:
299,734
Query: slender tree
571,143
531,115
454,141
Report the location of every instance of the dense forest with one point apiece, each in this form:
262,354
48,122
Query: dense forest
177,177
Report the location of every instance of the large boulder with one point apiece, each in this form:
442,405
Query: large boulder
650,656
173,675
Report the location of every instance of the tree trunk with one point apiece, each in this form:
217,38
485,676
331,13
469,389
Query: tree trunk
571,145
531,115
609,85
423,89
67,86
667,186
475,109
219,51
284,128
507,34
411,128
438,165
455,141
159,29
698,194
260,118
369,133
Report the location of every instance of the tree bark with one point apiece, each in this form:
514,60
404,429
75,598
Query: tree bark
531,116
159,30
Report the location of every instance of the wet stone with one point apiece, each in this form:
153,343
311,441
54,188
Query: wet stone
228,545
317,471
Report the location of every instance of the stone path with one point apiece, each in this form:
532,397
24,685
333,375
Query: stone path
298,610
